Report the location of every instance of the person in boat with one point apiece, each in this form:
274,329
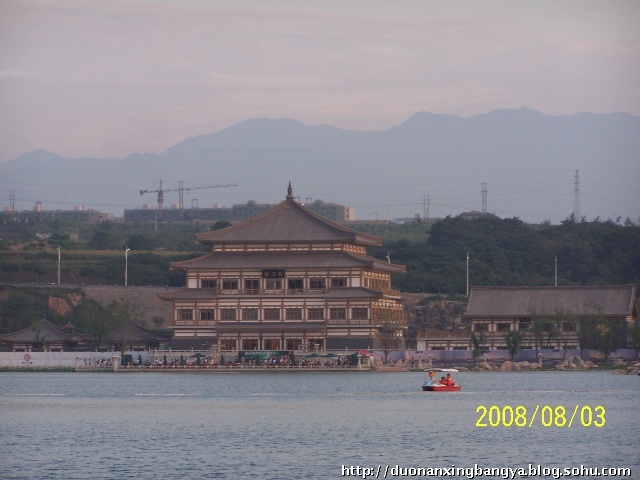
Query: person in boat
449,381
443,381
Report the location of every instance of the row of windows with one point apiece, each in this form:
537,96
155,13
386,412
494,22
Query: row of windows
523,327
249,344
377,284
272,283
339,313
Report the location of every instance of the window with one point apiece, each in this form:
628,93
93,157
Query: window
503,327
272,344
227,343
337,313
252,285
250,344
524,325
295,284
377,284
228,314
481,327
293,343
272,314
249,314
273,284
315,313
185,314
207,314
230,284
568,327
317,283
293,314
360,313
338,282
208,283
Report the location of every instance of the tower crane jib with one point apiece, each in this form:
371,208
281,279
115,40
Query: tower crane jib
181,189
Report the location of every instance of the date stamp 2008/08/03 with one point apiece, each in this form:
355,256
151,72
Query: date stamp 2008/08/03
547,416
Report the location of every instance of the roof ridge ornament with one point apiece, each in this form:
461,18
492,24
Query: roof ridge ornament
289,192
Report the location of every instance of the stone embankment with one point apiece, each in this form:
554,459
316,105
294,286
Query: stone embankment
575,363
626,369
507,366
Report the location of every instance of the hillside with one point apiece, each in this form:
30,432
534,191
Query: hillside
527,159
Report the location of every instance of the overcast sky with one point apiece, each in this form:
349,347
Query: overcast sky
108,78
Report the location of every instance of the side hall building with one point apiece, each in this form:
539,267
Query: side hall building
284,280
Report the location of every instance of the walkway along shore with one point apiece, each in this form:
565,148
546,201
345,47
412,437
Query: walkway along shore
219,369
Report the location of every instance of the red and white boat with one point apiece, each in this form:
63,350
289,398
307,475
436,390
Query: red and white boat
431,384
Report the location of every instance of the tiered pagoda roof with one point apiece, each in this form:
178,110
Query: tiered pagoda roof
288,222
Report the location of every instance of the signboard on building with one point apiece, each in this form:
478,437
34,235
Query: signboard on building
272,273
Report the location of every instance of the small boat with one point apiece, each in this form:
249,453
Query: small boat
432,385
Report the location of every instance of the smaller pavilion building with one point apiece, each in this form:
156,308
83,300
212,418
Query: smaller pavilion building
570,316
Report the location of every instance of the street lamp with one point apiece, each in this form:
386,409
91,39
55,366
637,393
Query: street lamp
126,264
58,264
467,275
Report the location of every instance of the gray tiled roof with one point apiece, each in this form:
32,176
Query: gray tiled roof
43,331
272,260
287,222
616,300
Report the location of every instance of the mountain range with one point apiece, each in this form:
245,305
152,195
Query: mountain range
529,165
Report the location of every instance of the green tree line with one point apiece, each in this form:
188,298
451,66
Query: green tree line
502,252
508,252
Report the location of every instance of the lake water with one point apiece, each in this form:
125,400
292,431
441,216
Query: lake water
308,425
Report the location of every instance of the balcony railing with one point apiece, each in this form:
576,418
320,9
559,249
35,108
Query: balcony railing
286,291
267,291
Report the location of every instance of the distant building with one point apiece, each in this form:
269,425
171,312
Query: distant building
44,336
573,311
284,280
78,214
239,212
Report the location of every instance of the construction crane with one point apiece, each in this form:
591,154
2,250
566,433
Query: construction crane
160,191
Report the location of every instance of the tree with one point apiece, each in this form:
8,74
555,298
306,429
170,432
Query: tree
477,343
102,241
608,337
543,328
513,340
634,337
220,224
389,329
92,318
123,315
565,320
140,242
40,337
18,310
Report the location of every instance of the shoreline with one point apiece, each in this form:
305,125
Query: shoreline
615,369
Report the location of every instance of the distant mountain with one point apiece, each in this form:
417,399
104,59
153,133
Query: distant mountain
527,159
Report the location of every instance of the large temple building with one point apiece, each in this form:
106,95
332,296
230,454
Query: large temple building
287,279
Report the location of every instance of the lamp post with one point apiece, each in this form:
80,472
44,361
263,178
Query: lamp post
126,264
467,274
58,264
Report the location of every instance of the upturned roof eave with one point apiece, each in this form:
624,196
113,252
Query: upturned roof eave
344,234
362,259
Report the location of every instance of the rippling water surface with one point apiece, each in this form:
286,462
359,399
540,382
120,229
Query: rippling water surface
303,425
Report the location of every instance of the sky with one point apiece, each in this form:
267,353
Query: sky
106,79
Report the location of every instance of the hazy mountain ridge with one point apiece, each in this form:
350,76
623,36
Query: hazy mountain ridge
347,166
